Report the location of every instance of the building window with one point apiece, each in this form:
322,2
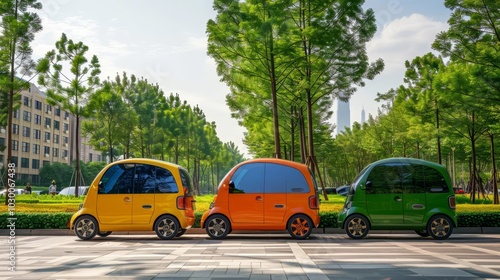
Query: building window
65,139
15,129
66,115
46,150
58,111
55,152
27,101
65,153
56,124
16,113
48,109
15,145
26,131
25,163
48,122
90,156
14,160
47,137
37,133
35,164
26,116
36,149
38,119
56,138
65,127
38,105
25,147
2,143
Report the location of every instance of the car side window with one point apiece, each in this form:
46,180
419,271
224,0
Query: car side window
413,179
434,181
249,178
144,178
284,179
117,179
385,178
165,181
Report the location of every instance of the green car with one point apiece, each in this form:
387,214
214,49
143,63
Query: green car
400,194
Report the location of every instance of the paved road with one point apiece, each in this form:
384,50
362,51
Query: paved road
256,256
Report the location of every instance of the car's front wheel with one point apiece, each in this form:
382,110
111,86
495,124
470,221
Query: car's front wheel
440,227
86,227
167,227
299,226
217,227
357,227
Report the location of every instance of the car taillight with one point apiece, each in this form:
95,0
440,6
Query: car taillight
181,203
451,202
314,202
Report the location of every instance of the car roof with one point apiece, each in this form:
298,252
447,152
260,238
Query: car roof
148,161
408,160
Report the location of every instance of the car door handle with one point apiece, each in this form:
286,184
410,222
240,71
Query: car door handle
258,198
398,199
147,206
126,199
279,206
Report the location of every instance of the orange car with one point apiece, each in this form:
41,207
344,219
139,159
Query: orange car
265,194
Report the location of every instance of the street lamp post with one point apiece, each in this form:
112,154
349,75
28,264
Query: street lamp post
453,165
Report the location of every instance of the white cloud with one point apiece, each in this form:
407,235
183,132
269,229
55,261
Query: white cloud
404,38
400,40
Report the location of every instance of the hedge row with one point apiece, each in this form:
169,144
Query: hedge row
328,220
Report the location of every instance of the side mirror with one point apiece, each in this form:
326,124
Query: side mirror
231,187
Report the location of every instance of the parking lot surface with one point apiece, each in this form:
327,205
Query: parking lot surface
255,256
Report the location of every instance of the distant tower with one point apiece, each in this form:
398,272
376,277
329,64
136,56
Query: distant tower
363,115
343,116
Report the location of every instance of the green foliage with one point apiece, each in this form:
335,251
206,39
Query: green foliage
37,221
478,219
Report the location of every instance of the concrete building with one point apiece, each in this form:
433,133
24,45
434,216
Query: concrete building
343,116
41,134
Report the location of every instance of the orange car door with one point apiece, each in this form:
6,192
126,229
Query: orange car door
246,194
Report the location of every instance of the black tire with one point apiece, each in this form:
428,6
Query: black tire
217,227
104,233
86,227
299,226
439,227
357,227
422,233
180,232
167,227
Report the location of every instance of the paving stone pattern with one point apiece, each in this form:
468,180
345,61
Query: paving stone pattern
255,256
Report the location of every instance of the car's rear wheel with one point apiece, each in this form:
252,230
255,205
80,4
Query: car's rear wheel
299,226
440,227
422,233
104,233
86,227
166,227
357,227
217,227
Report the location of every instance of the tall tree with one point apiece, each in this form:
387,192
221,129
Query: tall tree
105,125
474,38
18,27
70,89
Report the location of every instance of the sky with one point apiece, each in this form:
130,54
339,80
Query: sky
165,42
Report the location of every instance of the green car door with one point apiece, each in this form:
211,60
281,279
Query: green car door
384,195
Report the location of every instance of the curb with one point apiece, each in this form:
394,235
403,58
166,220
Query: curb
60,232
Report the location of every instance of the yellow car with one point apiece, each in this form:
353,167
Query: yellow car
137,195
